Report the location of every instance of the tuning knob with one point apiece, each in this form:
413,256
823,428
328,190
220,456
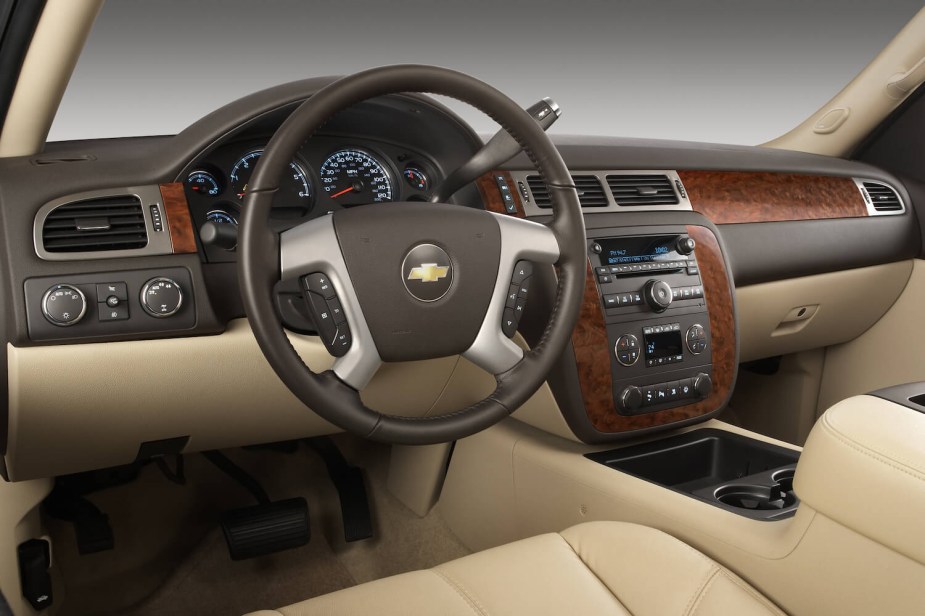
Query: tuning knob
657,294
686,245
631,398
703,385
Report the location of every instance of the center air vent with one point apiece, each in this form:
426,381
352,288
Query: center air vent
590,191
98,224
630,190
883,198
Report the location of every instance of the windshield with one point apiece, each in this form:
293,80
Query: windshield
740,72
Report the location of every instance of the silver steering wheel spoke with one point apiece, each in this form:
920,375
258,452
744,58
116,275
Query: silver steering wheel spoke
312,248
521,240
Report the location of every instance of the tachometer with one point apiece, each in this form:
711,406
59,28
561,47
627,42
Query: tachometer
294,190
355,177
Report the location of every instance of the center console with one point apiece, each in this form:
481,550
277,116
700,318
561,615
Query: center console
656,343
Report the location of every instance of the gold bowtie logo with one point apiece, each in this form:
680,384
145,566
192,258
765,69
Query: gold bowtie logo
428,272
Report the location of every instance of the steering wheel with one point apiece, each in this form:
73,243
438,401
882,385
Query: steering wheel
410,281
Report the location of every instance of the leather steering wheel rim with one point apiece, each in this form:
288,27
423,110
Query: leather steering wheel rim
259,262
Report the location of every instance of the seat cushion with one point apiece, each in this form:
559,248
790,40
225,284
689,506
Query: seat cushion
594,568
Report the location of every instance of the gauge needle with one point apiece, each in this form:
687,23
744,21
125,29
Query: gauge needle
343,192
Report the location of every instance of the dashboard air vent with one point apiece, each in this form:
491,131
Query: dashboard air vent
590,191
883,198
99,224
630,190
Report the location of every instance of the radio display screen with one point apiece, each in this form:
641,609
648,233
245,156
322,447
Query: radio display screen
663,345
648,249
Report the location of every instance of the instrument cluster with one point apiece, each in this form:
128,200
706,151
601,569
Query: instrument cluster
327,174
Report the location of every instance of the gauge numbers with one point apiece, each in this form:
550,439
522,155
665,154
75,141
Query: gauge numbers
354,177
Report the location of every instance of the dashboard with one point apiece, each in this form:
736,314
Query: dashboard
757,216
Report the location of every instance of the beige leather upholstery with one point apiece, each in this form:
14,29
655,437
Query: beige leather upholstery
864,467
595,568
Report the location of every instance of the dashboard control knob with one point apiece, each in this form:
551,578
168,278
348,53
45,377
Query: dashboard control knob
626,350
222,235
631,398
696,339
64,305
161,297
657,294
686,245
703,385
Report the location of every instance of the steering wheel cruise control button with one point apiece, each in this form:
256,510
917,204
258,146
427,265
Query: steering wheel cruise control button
328,314
320,284
161,297
64,305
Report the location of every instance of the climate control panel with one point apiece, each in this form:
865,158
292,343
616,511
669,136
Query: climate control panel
109,304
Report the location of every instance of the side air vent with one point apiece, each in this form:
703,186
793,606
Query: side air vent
590,191
630,190
883,198
97,224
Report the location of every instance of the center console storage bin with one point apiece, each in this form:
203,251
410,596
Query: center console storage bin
728,470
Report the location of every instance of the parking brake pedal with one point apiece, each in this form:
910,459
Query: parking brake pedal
351,489
264,528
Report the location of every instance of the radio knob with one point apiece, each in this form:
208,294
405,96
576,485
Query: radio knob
631,398
658,295
686,245
703,385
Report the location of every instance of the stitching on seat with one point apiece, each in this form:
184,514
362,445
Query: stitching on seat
596,576
772,609
695,599
469,598
893,463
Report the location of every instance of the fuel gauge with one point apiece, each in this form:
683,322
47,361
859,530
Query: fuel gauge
416,178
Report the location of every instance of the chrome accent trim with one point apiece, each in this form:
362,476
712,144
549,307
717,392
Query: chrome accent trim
312,247
520,239
868,202
553,105
52,289
158,241
151,311
684,204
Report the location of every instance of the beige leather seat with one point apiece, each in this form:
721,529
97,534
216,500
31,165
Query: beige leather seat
595,568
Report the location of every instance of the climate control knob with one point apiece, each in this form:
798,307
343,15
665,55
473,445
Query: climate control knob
161,297
703,385
631,398
64,305
657,294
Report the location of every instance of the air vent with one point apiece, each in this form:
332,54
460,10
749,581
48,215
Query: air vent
99,224
590,191
630,190
883,198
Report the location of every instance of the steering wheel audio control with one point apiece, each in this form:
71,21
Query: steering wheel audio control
161,297
64,305
327,313
516,298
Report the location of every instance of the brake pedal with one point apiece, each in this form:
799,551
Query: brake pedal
264,528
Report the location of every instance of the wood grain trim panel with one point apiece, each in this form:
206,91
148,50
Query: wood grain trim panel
592,348
731,197
179,220
491,194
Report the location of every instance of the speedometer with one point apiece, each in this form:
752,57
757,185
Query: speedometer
354,177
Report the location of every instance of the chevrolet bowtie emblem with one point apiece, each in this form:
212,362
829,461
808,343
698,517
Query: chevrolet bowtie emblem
428,272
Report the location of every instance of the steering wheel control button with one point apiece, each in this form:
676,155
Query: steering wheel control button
337,311
427,272
626,350
522,271
509,322
516,297
512,294
111,289
696,339
161,297
64,305
320,284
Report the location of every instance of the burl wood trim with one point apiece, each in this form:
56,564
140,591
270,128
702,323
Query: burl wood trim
730,197
179,220
491,194
592,348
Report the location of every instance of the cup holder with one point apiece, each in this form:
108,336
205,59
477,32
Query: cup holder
756,498
784,478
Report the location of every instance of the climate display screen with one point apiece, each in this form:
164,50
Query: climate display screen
663,346
627,250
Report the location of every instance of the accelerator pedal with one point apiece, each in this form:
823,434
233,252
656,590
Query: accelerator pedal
265,528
